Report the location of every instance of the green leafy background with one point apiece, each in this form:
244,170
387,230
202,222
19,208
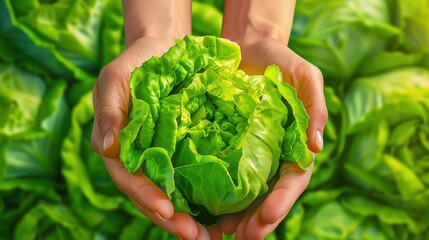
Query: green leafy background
371,181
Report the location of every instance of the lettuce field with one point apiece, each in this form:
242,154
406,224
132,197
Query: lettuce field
371,181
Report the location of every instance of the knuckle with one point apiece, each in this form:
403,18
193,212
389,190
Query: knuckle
287,168
115,72
121,180
318,110
111,69
309,73
119,185
105,116
324,113
315,73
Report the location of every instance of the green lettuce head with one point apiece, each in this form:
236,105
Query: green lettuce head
207,133
389,142
338,36
33,117
331,214
32,124
74,38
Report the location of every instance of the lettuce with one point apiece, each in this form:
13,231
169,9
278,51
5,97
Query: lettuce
83,170
410,18
328,34
207,133
65,34
388,128
32,125
50,221
344,213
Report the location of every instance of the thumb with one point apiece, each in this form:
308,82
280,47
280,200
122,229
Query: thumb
308,80
318,116
315,104
110,99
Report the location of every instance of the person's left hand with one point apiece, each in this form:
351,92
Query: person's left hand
264,215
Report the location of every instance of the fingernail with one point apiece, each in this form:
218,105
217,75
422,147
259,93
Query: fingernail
163,219
109,138
319,140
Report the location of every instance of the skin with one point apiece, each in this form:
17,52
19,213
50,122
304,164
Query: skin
262,31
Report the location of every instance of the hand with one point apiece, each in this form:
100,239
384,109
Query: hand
111,100
263,216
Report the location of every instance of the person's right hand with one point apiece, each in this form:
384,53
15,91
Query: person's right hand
111,101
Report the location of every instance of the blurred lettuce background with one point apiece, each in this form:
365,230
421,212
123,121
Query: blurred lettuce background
371,181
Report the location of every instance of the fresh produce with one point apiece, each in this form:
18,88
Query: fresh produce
207,133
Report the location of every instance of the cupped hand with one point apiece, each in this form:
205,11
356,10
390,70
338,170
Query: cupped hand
264,215
111,102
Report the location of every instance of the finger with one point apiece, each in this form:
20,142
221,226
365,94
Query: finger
308,81
258,229
110,107
203,234
228,224
215,232
318,115
140,189
180,224
240,232
292,182
187,228
111,93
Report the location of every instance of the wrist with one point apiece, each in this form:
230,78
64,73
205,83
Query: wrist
163,20
250,34
250,21
165,32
